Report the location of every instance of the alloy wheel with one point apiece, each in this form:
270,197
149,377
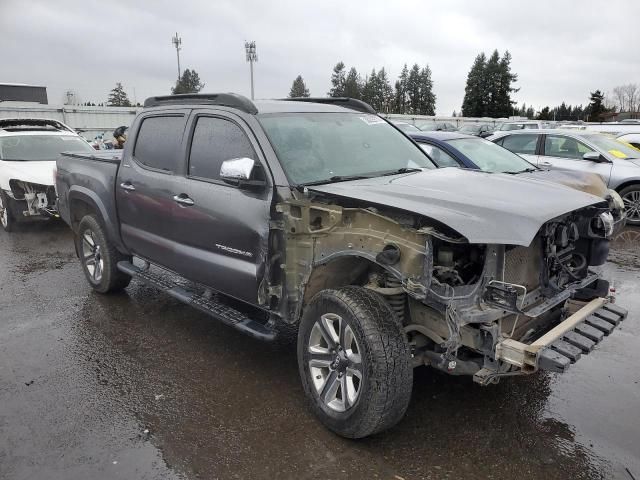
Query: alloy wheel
335,362
92,256
4,214
632,205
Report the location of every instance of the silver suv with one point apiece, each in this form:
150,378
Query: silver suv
616,162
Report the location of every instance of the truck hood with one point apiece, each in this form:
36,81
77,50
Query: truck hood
32,172
490,208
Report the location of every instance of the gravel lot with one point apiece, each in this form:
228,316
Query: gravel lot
137,385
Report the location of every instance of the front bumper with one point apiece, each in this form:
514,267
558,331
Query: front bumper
563,345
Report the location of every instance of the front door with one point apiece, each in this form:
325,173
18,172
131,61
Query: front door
223,234
566,153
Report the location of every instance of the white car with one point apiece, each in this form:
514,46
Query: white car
28,152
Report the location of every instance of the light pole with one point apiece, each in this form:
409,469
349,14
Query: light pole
250,48
177,41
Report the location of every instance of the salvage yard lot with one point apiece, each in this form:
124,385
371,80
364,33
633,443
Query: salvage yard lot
137,385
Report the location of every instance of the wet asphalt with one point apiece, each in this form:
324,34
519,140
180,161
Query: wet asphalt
139,386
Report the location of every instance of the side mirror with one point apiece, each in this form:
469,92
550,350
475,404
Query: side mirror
241,172
595,157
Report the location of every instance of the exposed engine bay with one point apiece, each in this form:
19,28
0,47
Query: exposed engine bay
458,301
31,199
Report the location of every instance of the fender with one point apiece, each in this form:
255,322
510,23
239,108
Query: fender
77,192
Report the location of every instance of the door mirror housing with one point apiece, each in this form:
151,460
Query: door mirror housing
595,157
242,172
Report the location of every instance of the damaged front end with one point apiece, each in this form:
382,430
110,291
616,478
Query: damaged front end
29,200
487,310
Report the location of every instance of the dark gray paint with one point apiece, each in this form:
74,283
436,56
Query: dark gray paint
484,207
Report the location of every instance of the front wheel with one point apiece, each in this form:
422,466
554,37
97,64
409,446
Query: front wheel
99,257
6,218
631,198
354,362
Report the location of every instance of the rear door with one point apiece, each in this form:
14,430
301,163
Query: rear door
223,235
147,181
525,145
565,153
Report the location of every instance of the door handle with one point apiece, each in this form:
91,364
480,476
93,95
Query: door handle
127,186
183,199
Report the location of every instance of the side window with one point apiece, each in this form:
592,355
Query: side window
564,147
214,141
158,142
525,144
439,156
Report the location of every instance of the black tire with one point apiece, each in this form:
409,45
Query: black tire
95,249
631,198
383,391
6,217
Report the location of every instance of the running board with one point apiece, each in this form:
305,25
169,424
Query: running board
226,314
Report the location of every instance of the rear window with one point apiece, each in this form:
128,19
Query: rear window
525,144
158,142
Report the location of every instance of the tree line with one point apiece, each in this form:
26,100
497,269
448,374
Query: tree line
412,92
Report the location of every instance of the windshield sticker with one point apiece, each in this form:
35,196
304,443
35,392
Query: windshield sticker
372,120
617,153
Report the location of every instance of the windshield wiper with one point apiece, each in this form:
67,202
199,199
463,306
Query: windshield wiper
398,171
335,179
526,170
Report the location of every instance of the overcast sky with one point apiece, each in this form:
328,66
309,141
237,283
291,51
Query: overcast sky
561,49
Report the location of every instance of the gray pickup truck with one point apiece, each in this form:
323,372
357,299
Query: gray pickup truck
321,221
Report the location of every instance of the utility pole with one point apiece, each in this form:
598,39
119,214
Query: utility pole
250,48
177,42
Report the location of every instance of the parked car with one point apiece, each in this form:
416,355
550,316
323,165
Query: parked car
405,127
317,219
431,126
448,149
28,151
478,129
584,151
632,139
521,125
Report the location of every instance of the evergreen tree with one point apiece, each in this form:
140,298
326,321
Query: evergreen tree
493,79
353,84
474,104
384,92
544,114
596,106
427,104
298,88
413,90
400,97
337,81
370,89
189,82
530,113
118,97
504,88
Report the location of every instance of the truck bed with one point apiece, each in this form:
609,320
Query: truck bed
90,179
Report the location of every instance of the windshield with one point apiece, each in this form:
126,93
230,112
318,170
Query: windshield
320,147
614,147
470,128
490,157
40,147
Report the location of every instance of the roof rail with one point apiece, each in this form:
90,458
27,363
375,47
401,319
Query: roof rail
232,100
33,122
345,102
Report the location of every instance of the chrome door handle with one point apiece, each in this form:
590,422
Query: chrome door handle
183,200
127,186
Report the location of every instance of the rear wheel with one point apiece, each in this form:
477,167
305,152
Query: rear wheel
6,218
354,362
99,257
631,198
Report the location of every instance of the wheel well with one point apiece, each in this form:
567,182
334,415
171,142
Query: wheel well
627,184
79,209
